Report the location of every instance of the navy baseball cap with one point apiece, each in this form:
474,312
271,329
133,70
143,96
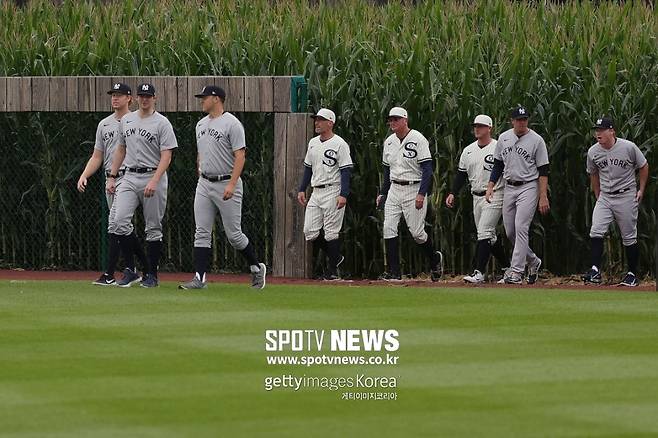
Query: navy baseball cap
519,113
212,90
121,88
146,90
604,123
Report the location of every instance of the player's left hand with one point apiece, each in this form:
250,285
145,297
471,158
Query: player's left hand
639,196
340,202
228,191
149,190
544,205
420,200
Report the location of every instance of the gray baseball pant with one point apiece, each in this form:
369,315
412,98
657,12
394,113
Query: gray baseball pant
519,206
621,208
128,196
208,200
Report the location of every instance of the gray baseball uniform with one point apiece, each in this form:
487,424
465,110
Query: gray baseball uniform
326,159
522,156
217,139
617,201
477,162
404,158
144,139
107,138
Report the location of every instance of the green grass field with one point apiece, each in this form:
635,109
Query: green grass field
78,360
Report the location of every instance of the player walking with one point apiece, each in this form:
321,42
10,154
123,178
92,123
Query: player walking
611,165
475,164
521,158
221,151
107,137
146,143
408,170
327,167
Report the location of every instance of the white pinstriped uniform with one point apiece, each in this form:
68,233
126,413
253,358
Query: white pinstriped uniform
477,162
404,158
326,159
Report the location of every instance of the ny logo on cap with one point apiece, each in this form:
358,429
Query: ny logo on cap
521,111
145,87
599,121
117,86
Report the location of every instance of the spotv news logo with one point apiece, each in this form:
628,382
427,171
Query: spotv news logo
337,340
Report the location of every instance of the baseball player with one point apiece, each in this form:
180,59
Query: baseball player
521,158
145,147
475,164
611,165
221,156
408,171
327,167
107,136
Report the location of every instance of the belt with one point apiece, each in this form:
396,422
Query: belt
405,183
323,186
619,192
121,172
479,193
141,169
519,183
215,178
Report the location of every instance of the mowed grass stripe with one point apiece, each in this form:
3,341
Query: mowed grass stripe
78,360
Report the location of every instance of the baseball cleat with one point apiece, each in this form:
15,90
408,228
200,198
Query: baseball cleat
389,276
149,280
513,278
129,277
476,277
258,278
332,277
105,280
592,276
195,283
533,271
629,280
437,266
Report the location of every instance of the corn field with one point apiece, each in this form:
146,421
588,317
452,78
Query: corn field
444,61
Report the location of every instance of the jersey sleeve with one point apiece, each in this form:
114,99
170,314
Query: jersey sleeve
541,154
385,157
122,138
462,162
424,153
167,136
639,158
307,157
498,150
591,166
344,157
236,135
99,138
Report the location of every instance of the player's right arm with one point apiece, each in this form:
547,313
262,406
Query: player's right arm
496,173
303,185
92,166
386,185
119,156
595,182
593,171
